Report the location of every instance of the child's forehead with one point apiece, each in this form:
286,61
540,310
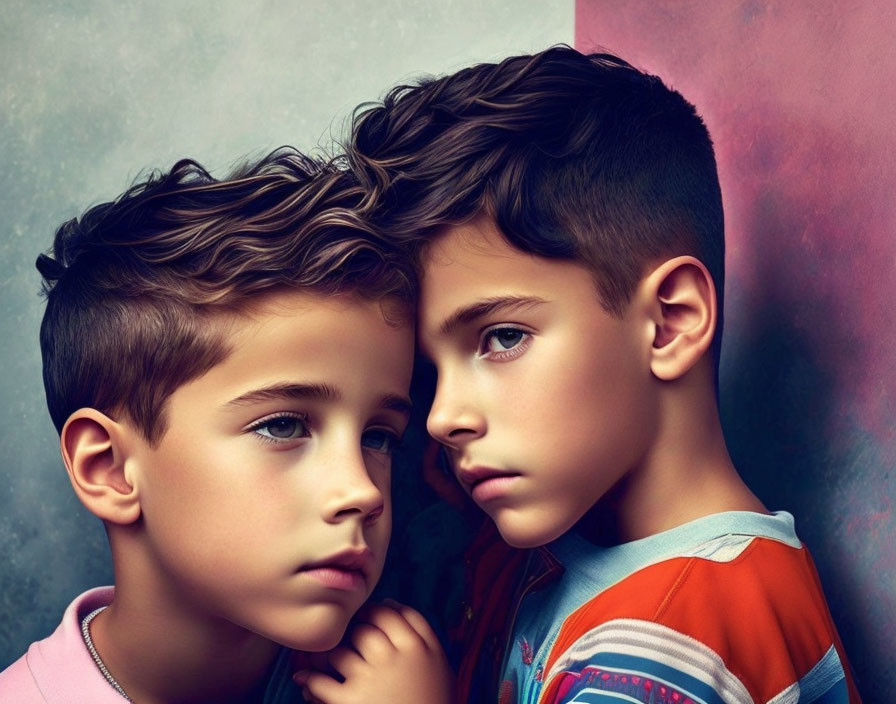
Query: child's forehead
470,272
303,327
477,255
305,338
479,235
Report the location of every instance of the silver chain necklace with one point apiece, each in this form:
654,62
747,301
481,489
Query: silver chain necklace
88,641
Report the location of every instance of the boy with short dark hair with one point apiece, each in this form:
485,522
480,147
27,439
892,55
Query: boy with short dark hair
227,363
565,216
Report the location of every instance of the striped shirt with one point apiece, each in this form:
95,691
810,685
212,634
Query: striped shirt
727,608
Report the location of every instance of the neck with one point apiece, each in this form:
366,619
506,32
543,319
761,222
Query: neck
685,474
161,649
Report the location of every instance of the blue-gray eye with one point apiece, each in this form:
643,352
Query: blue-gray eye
503,339
379,440
282,428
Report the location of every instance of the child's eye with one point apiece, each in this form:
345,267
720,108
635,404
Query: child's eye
380,440
503,339
281,427
502,343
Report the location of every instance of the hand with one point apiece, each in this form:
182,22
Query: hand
394,658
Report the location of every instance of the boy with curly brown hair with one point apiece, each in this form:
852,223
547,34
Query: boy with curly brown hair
227,363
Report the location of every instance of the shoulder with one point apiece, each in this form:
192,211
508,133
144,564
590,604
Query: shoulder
744,619
59,669
17,684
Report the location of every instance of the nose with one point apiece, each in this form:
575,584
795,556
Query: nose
454,418
354,493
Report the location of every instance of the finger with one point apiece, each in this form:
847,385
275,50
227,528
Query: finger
418,623
308,698
371,643
318,686
344,661
397,629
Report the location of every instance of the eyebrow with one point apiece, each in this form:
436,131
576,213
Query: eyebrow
313,392
316,392
469,313
394,402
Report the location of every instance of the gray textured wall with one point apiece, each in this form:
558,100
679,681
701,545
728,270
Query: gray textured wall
93,92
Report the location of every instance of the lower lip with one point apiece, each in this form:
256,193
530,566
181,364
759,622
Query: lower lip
335,578
491,489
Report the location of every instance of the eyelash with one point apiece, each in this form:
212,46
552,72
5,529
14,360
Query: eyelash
507,354
300,418
393,439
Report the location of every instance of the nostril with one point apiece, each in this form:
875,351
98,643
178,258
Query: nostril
458,432
374,515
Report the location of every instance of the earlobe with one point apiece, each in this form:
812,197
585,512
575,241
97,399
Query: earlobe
94,449
683,304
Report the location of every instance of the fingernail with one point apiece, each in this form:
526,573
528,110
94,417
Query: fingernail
301,676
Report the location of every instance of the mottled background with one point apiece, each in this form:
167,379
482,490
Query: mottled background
95,91
800,98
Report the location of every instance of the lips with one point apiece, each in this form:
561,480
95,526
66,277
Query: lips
485,483
346,570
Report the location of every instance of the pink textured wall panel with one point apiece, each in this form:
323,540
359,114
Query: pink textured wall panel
801,101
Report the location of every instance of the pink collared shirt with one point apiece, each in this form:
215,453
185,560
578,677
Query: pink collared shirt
59,669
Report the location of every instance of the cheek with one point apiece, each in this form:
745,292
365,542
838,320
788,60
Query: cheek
610,360
225,496
381,531
379,468
592,399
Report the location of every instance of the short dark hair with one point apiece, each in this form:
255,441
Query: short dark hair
575,157
132,284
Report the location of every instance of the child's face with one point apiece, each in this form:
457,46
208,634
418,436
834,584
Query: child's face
266,503
542,398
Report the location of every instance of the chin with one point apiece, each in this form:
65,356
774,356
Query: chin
316,633
315,640
517,536
325,642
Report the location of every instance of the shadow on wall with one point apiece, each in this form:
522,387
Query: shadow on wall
786,399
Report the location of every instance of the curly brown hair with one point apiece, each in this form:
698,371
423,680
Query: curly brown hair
133,285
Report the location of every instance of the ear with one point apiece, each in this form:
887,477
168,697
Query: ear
95,455
682,301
